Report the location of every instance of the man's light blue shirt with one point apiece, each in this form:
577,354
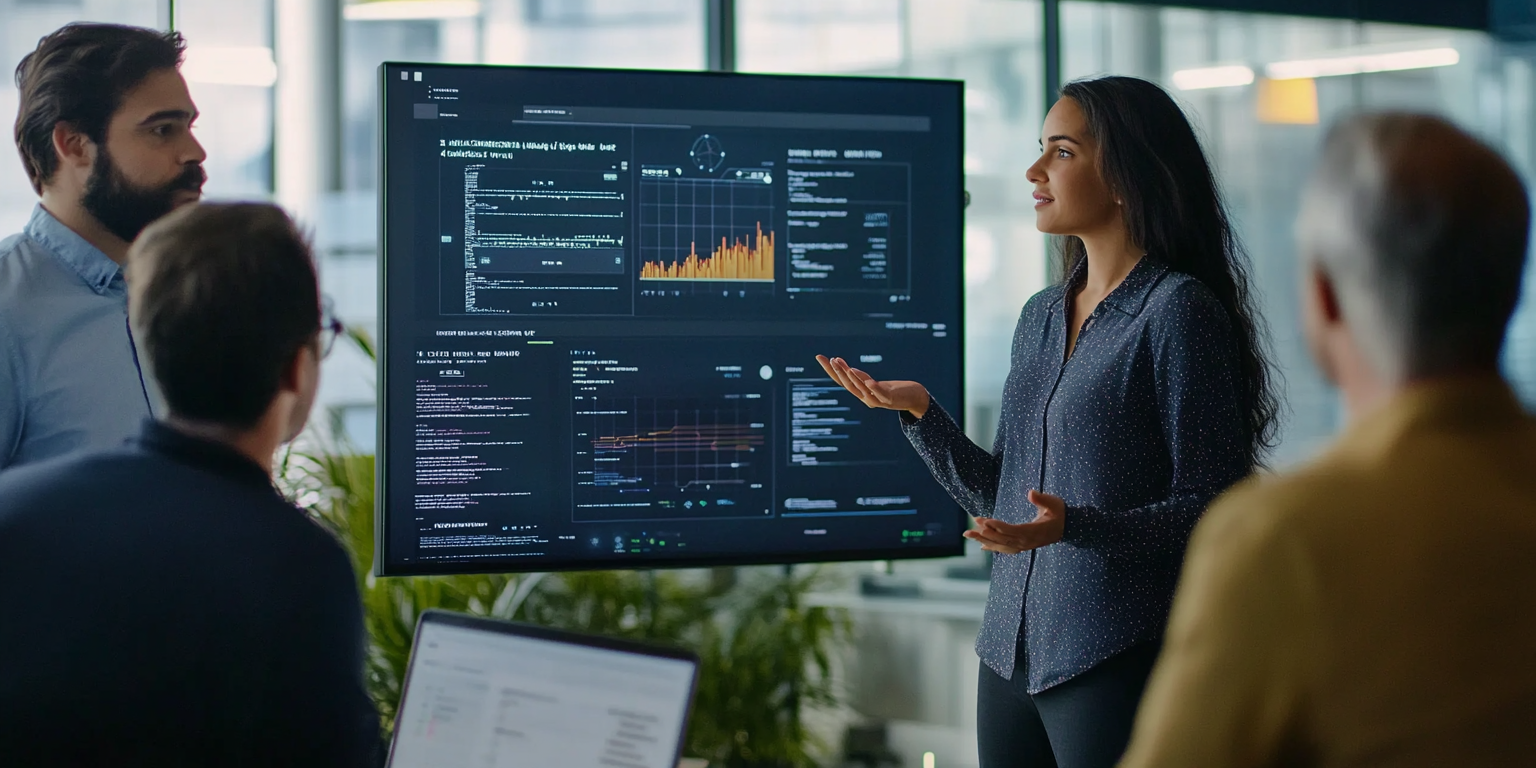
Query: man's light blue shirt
69,375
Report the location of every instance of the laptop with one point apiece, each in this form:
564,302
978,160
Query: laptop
481,692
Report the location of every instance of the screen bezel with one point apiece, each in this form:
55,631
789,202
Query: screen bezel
381,562
535,632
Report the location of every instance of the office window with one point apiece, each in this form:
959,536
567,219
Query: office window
809,36
994,46
1263,133
231,71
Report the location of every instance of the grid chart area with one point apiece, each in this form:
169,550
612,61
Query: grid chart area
670,458
697,221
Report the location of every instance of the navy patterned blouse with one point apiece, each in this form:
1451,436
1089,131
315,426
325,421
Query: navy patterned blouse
1138,431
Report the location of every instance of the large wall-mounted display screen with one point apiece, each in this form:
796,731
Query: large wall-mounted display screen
601,297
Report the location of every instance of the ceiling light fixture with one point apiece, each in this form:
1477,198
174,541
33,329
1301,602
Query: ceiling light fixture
1362,63
411,10
233,65
1212,77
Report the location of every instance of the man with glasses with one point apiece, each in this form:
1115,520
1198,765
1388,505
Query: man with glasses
164,605
104,129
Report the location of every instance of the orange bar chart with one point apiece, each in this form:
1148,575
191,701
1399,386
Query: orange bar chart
735,262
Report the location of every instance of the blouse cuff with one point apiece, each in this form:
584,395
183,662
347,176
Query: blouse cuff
908,420
934,429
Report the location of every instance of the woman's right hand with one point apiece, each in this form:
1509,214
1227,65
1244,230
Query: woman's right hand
908,396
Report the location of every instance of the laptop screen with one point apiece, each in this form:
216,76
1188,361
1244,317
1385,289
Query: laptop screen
493,698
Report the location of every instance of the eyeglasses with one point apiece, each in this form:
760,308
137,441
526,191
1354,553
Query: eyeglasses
330,327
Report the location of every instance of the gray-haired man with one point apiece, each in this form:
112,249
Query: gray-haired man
1375,607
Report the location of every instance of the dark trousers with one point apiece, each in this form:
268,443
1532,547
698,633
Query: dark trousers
1082,723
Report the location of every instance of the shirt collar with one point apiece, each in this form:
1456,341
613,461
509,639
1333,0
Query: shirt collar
207,455
94,267
1132,292
1457,403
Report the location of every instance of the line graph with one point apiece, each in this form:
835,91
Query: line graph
718,230
708,437
672,457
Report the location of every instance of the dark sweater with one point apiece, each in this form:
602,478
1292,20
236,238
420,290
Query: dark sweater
164,605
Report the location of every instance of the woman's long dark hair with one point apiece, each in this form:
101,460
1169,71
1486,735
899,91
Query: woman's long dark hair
1152,161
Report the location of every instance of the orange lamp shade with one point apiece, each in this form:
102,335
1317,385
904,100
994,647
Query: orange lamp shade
1288,102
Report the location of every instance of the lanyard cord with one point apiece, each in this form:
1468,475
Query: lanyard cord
132,347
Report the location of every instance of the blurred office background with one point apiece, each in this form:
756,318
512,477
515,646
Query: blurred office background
287,93
288,100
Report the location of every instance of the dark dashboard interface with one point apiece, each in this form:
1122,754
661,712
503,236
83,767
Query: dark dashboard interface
603,292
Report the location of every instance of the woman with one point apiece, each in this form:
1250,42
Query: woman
1138,392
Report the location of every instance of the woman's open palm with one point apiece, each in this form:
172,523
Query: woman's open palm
895,395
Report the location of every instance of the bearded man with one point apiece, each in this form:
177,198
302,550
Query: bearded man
105,135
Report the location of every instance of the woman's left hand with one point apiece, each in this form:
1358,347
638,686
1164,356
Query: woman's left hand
998,536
